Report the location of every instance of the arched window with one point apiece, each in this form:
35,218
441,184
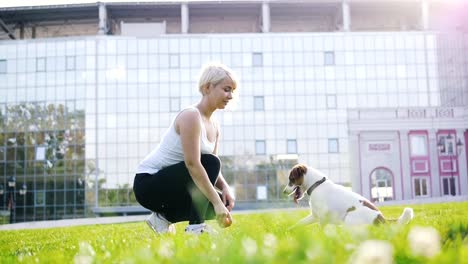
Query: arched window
381,185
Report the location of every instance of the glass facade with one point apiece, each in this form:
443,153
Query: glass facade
78,114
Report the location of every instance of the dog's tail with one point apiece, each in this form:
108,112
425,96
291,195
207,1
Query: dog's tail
406,216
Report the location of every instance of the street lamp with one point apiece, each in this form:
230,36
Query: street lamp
449,150
12,198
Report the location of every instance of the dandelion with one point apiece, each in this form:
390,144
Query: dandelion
424,241
250,246
373,252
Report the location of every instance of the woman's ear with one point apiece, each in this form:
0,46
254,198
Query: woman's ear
206,88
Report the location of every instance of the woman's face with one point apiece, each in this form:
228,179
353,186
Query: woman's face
221,93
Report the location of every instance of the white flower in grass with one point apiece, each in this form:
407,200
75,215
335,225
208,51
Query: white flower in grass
373,252
250,246
269,244
166,249
424,241
85,254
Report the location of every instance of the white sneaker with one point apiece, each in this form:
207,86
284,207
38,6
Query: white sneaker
406,216
199,229
159,224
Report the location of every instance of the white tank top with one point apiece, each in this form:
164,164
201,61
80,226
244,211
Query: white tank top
169,151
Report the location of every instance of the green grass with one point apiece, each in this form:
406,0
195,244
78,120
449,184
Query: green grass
253,238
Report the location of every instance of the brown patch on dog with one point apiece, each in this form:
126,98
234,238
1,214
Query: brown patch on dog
369,204
352,208
296,176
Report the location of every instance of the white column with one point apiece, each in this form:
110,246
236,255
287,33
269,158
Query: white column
463,175
405,180
434,159
265,17
346,15
184,10
425,15
102,19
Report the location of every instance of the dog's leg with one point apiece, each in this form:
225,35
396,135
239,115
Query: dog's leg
310,219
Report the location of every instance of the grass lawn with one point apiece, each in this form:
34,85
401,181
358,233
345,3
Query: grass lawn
438,234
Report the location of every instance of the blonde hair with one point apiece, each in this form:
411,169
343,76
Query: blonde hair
214,73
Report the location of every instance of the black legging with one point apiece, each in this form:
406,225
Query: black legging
172,192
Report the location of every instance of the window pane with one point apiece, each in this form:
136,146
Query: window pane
331,101
260,147
452,186
3,66
329,58
175,104
333,145
259,104
70,63
174,60
417,188
445,186
418,145
40,64
257,59
424,186
292,146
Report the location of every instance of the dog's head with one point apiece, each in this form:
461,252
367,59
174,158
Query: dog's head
296,182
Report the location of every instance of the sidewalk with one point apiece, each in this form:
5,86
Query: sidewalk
106,220
141,218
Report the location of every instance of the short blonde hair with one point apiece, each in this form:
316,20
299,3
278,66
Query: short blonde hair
214,73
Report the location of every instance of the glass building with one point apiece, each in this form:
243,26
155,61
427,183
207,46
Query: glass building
78,113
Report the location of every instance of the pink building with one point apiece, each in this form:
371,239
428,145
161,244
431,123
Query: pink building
408,153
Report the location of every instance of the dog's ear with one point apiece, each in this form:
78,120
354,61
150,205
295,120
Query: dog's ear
297,173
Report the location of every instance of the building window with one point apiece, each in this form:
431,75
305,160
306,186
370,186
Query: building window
333,146
447,145
3,66
418,145
329,58
420,187
260,147
259,103
449,186
70,61
40,64
257,59
292,146
331,101
175,104
174,60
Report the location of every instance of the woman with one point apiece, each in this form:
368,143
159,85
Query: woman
177,180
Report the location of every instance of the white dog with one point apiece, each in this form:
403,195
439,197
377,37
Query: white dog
333,203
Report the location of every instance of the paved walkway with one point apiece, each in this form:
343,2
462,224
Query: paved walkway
138,218
107,220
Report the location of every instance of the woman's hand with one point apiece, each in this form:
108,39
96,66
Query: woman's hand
228,198
223,216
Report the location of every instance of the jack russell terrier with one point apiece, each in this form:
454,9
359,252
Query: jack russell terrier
333,203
